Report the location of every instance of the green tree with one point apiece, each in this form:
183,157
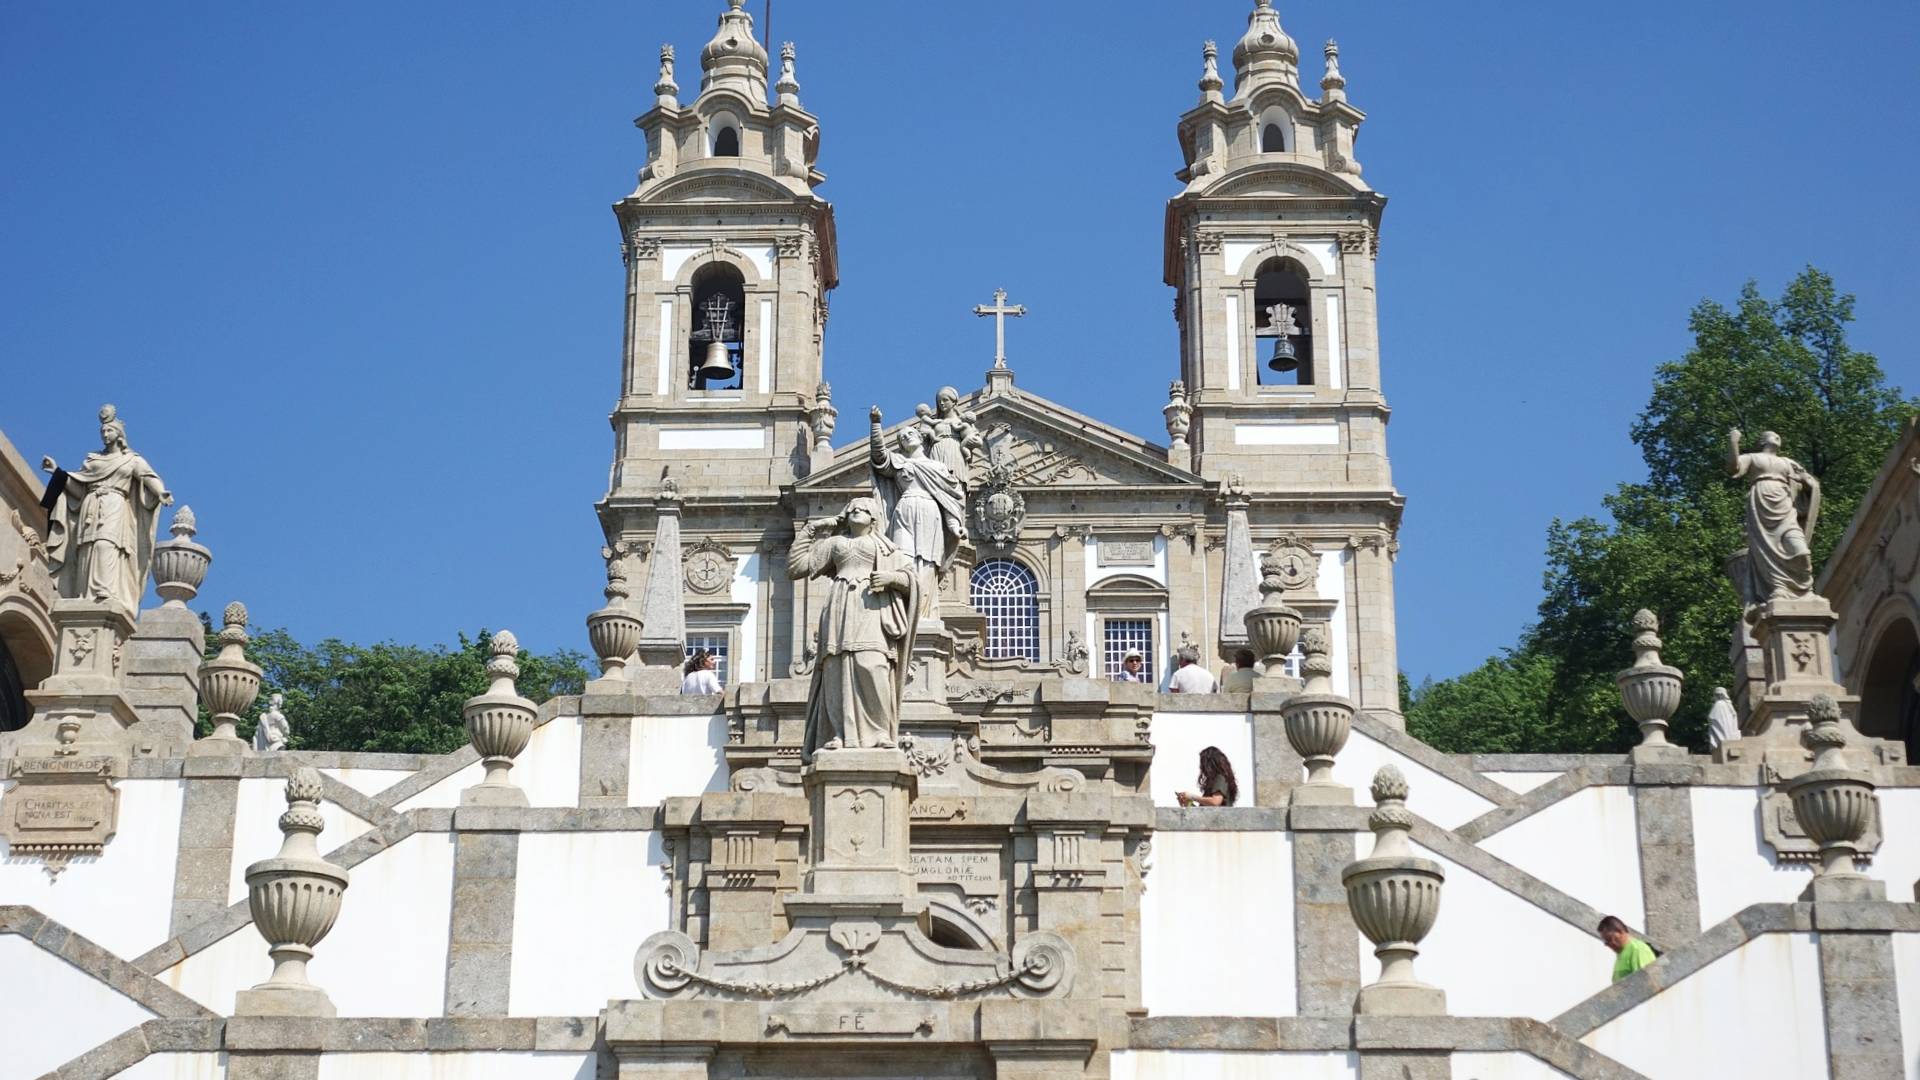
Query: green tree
1780,365
388,697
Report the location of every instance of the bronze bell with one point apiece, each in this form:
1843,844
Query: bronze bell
717,365
1283,358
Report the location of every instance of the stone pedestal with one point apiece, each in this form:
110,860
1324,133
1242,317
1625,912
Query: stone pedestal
1793,638
932,651
859,803
162,676
82,708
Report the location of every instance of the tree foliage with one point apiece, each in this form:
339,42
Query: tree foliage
1783,366
389,698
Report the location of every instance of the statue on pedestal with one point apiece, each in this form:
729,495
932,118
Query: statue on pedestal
1783,506
957,441
103,518
924,504
866,630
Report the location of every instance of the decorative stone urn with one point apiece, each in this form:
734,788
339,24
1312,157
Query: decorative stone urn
1395,898
1318,722
499,723
294,897
1649,689
228,685
1835,804
614,630
1273,628
1179,414
179,564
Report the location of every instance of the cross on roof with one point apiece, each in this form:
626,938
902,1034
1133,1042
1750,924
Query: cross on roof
1000,310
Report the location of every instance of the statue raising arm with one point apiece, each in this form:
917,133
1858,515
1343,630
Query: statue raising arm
876,440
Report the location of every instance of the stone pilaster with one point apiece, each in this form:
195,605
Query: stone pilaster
1406,1065
1069,876
606,748
272,1065
1861,993
1669,878
204,868
1327,961
1276,765
480,948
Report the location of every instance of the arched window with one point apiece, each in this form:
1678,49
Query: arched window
726,142
1272,140
1009,596
714,355
1282,311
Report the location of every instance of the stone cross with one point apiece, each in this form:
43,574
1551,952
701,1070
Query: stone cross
1000,310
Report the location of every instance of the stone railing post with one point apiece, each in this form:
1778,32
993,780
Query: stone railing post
1836,805
1318,722
295,897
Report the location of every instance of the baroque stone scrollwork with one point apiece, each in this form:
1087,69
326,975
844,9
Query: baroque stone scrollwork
998,509
1040,965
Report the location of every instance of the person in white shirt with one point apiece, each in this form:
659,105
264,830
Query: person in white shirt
1190,677
699,677
1132,667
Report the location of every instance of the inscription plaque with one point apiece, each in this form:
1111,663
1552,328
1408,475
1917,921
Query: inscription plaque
62,806
852,1021
1126,552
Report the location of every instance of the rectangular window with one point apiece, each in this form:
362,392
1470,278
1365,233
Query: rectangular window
1123,635
720,645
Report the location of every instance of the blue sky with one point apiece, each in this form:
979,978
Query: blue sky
350,273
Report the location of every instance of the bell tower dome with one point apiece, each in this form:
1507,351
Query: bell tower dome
729,258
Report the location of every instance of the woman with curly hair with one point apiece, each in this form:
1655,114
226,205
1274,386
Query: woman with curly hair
1217,785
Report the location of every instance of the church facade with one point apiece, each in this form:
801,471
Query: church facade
1081,538
928,828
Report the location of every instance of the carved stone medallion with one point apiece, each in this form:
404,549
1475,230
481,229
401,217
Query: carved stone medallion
998,509
709,567
1290,565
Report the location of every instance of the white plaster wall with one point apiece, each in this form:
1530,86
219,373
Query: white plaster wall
1906,965
746,645
548,770
1432,796
1586,845
54,1012
1736,869
1507,1065
1336,358
766,345
713,438
1216,925
1233,339
256,828
663,361
386,955
368,781
1495,954
1286,434
1331,584
176,1067
1178,739
675,256
675,755
609,881
1755,1012
123,899
1235,1065
1521,782
498,1065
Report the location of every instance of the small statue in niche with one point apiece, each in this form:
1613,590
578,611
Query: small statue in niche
865,642
102,519
1783,506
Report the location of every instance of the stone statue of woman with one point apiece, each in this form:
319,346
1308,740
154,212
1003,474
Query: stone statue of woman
924,504
1783,506
956,436
104,515
866,630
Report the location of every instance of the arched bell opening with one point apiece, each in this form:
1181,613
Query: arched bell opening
1890,690
715,358
26,659
1283,316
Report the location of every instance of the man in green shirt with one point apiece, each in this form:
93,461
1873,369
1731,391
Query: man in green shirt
1634,954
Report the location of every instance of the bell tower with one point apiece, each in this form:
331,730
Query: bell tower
1270,249
729,257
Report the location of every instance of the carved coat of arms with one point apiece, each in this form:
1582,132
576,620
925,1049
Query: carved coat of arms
997,508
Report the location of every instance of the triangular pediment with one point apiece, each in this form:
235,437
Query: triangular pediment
1047,445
